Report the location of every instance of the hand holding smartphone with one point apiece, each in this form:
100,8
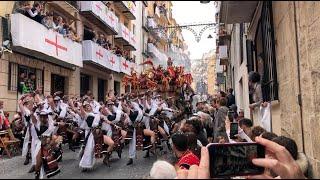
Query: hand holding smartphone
235,159
233,130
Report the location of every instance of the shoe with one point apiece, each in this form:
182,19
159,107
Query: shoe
119,153
26,162
72,148
37,175
32,169
147,154
130,162
106,159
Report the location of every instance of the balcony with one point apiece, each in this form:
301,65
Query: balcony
126,66
132,43
43,43
145,24
223,55
95,54
152,23
97,13
125,37
128,8
145,3
70,7
159,58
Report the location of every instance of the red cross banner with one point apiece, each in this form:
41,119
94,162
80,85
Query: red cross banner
100,10
124,32
125,66
112,20
44,43
132,39
99,55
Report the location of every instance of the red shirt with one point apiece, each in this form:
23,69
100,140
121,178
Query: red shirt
188,159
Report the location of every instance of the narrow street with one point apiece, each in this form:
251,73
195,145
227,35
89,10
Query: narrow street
14,168
232,88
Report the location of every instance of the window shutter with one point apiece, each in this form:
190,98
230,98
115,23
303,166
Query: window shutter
13,77
5,29
39,76
249,48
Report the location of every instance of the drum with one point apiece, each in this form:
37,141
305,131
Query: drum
116,137
98,140
50,163
139,135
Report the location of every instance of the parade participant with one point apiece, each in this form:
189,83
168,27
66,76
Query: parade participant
107,116
59,107
90,123
26,106
47,150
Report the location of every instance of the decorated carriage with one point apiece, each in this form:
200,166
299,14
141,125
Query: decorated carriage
167,82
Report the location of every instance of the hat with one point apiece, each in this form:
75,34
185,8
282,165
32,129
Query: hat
56,98
43,113
155,96
85,103
109,102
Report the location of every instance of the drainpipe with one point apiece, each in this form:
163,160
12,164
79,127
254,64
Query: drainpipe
299,74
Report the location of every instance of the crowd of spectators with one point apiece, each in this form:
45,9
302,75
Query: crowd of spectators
211,124
100,39
48,19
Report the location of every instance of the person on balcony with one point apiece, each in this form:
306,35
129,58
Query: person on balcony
255,89
101,40
32,12
58,23
118,51
47,21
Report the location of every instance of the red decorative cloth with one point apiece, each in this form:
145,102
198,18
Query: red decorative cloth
188,159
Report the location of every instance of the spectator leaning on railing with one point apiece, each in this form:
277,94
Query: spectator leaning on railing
57,23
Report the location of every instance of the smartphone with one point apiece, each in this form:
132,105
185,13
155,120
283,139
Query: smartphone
233,130
234,159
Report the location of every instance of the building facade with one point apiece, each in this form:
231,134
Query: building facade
57,63
279,41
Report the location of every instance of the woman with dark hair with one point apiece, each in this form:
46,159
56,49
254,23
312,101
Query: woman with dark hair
255,89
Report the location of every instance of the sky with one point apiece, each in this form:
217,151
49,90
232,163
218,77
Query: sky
193,12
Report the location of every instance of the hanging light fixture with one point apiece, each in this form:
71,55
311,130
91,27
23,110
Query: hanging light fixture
210,37
204,2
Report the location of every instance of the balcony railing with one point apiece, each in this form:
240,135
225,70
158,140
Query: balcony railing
126,37
128,8
223,55
97,13
96,54
32,38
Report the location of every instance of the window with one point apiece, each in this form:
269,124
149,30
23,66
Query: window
264,53
22,75
84,84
